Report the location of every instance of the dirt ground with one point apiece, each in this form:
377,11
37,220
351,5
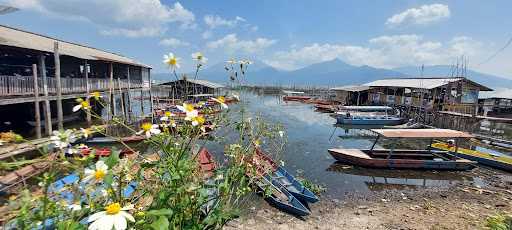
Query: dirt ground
464,206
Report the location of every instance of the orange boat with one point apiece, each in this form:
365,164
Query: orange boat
206,162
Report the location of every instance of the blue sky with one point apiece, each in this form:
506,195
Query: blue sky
284,34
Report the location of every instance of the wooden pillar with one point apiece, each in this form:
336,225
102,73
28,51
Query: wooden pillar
111,91
150,95
60,116
128,99
122,98
88,92
142,103
36,102
47,109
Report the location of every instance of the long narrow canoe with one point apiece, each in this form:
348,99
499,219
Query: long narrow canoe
495,161
402,159
130,139
280,175
279,196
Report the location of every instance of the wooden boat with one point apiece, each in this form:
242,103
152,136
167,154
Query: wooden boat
66,119
409,159
129,139
489,159
278,196
362,119
325,108
296,98
265,165
206,162
103,151
318,102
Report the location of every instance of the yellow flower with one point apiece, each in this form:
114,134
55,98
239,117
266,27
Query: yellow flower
82,104
222,101
199,120
149,129
86,132
189,110
96,95
98,173
172,61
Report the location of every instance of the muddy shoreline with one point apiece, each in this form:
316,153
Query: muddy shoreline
462,206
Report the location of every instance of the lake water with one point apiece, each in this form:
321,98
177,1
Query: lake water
310,134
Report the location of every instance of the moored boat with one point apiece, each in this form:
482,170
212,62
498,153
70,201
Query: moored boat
129,139
406,159
489,159
278,196
267,166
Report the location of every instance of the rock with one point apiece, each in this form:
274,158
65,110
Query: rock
501,205
251,222
358,212
362,207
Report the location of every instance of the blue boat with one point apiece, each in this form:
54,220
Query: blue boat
278,196
368,119
281,176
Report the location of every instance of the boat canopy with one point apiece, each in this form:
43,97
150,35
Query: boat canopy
292,92
366,108
421,133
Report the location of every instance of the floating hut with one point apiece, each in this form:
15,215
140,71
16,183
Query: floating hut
432,94
192,88
496,106
41,76
352,94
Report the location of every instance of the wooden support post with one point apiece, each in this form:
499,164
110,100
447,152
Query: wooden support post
37,112
128,99
47,109
150,95
122,97
142,103
111,91
88,92
60,116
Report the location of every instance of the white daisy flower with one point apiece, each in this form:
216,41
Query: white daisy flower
75,207
114,217
172,61
82,104
189,110
237,97
149,129
62,139
198,56
98,173
281,133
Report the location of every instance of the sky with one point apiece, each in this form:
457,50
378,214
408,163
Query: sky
286,34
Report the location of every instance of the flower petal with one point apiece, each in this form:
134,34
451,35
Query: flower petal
95,216
76,108
119,222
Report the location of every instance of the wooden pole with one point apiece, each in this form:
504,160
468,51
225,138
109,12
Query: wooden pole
151,95
142,103
122,98
111,90
47,109
37,113
128,92
60,116
88,92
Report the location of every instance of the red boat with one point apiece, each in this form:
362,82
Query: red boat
325,108
206,162
103,151
296,98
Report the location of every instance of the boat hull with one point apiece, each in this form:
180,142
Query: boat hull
368,121
488,161
290,204
413,159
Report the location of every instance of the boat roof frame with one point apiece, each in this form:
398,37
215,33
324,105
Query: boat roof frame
421,133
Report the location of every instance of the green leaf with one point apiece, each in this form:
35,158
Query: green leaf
109,178
160,212
161,224
112,160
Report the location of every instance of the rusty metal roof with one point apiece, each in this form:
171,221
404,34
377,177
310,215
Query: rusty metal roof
23,39
421,133
421,83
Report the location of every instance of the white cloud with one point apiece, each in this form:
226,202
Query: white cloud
206,34
133,18
383,51
423,15
173,42
232,44
213,21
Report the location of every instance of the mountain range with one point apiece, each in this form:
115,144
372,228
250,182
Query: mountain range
337,73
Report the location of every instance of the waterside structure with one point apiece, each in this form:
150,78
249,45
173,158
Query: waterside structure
40,78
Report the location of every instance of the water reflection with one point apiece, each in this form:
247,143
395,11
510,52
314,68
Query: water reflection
310,134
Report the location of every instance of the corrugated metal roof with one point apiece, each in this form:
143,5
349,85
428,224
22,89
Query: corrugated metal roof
422,133
28,40
420,83
199,82
351,88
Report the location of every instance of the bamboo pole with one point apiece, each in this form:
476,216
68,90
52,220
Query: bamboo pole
37,113
111,90
46,107
128,92
122,98
60,116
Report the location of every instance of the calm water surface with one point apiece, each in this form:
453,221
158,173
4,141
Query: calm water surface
310,134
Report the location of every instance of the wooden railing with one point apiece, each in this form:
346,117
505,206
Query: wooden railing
24,85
